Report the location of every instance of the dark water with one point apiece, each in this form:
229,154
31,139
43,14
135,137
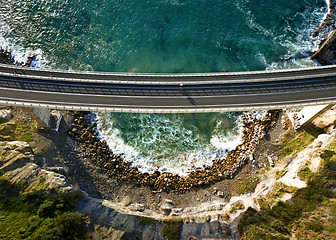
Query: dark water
162,35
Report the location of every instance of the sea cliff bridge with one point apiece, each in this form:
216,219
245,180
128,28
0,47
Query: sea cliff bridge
170,93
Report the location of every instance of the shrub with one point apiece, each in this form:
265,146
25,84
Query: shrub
300,142
47,209
26,137
171,229
57,204
144,221
34,215
306,174
71,225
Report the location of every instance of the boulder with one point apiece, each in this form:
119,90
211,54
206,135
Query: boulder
5,114
220,194
138,207
169,202
165,209
176,211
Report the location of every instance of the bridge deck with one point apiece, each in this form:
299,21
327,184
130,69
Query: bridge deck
162,93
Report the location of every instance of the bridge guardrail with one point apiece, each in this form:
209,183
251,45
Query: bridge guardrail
179,78
22,103
136,82
10,66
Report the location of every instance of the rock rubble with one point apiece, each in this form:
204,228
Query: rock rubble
254,130
6,57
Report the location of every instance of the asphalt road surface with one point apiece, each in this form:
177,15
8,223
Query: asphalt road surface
162,93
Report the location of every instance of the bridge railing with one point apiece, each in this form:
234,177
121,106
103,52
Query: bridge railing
169,79
62,106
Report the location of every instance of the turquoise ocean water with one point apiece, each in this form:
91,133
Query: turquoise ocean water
163,36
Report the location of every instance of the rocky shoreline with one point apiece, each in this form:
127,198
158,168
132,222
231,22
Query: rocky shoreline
253,131
6,57
202,181
226,168
86,133
326,38
131,214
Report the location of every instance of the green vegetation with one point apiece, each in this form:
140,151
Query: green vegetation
29,212
306,174
35,215
246,186
145,221
26,137
302,139
2,154
224,217
206,218
37,185
279,190
263,203
12,131
171,229
310,214
319,145
237,206
279,173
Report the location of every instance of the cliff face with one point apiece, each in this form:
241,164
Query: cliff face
325,35
326,55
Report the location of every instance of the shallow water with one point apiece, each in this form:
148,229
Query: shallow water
164,36
171,142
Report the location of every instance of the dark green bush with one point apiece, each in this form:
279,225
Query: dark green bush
71,225
36,215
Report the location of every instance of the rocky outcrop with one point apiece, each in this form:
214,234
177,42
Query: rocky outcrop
326,55
326,37
127,226
14,154
5,114
6,57
18,163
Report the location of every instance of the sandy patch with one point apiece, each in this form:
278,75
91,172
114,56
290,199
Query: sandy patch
327,119
315,163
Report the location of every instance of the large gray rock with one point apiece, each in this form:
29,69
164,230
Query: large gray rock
5,114
137,207
100,214
165,209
